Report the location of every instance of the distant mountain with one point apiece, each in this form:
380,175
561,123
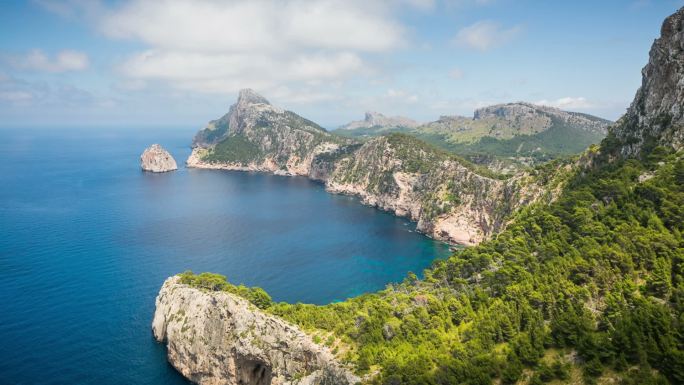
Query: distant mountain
379,122
512,130
448,197
255,135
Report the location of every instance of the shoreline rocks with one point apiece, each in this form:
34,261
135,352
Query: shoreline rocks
156,159
215,337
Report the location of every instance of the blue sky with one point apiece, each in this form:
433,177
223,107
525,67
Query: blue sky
180,63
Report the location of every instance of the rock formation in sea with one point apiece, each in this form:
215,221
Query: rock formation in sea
449,198
215,337
156,159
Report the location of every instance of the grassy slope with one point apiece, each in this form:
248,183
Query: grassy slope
558,141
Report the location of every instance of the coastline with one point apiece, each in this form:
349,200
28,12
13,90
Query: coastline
453,230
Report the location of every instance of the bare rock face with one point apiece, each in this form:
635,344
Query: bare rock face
448,201
156,159
532,118
257,136
656,116
219,338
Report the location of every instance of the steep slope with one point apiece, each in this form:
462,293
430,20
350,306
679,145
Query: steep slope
524,131
588,289
656,116
448,197
214,336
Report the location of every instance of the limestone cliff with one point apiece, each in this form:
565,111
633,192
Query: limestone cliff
256,136
656,116
215,337
157,159
449,198
446,197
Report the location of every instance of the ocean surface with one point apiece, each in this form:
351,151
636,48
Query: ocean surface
86,240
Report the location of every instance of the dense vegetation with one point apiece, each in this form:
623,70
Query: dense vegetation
234,149
586,289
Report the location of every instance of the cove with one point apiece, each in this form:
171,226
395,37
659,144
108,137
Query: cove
88,239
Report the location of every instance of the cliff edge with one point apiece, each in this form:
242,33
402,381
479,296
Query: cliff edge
656,116
215,337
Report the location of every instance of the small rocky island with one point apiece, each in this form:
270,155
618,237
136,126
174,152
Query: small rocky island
156,159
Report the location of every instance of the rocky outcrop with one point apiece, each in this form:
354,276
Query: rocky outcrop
256,136
156,159
376,119
530,118
448,199
656,116
214,337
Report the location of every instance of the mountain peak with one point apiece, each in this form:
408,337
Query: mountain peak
248,96
370,115
656,116
376,119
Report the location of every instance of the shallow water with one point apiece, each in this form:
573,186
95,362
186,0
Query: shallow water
87,240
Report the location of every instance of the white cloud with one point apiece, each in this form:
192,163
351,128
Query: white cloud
226,73
212,46
567,103
485,35
63,61
238,26
456,73
400,95
15,96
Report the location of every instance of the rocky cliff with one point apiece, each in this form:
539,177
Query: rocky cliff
449,198
656,116
256,136
528,118
215,337
156,159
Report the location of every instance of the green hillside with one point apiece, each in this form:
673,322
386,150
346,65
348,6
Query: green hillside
515,130
590,287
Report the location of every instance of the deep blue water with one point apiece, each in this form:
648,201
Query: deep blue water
86,240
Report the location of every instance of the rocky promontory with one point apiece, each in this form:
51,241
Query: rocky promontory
216,337
656,116
156,159
449,198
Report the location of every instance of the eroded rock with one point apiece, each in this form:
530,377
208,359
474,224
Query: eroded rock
156,159
219,338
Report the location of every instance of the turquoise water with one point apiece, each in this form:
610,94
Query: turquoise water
87,240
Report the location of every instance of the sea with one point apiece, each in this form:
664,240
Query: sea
87,239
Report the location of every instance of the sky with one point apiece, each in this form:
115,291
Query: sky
181,63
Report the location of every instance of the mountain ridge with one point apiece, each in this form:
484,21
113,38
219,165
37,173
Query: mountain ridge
513,134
